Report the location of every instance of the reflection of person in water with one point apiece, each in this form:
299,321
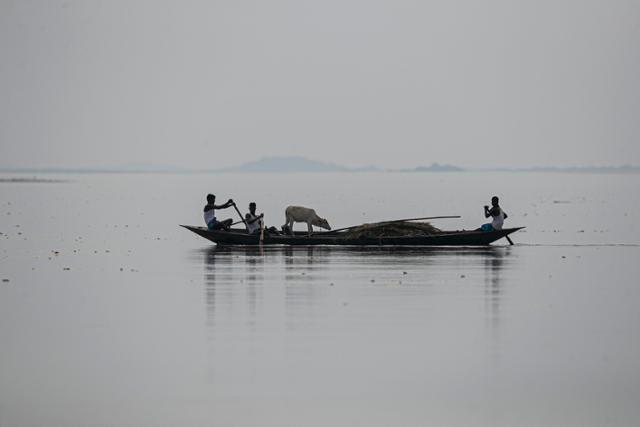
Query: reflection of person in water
224,267
494,259
209,282
493,263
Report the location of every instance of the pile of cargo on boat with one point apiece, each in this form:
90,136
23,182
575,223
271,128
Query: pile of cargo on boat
392,228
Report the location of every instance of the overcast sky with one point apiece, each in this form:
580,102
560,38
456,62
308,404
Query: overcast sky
390,83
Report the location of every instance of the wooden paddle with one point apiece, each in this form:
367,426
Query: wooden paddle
392,222
261,231
241,217
509,240
237,222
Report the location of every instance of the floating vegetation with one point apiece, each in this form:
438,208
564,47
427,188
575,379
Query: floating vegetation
392,228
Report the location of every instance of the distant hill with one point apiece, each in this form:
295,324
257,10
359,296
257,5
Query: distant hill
298,164
435,167
286,164
302,164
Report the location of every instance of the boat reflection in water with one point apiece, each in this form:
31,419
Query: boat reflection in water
241,281
294,320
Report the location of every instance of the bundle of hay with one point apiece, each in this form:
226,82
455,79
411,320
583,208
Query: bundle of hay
392,229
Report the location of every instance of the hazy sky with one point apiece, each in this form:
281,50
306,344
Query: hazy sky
390,83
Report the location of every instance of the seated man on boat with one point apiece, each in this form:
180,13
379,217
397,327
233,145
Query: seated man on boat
210,214
253,221
496,213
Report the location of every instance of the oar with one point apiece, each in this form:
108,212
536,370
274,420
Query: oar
261,231
238,210
509,240
394,221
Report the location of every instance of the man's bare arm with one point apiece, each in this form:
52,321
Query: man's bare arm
252,220
225,205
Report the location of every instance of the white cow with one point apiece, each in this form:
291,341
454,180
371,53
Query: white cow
302,214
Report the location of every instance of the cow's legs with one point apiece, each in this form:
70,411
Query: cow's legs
286,223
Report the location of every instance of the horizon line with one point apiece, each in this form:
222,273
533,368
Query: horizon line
417,169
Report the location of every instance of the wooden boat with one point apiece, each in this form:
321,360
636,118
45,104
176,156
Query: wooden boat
444,238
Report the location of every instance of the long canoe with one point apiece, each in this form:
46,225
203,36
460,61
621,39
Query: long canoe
444,238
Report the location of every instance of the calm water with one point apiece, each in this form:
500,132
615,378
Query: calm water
110,314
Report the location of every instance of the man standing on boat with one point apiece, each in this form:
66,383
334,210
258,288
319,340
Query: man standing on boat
210,214
253,221
496,213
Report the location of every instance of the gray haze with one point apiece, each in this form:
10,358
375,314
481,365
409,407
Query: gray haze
394,83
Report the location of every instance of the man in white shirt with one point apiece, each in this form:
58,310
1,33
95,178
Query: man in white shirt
496,213
253,221
210,214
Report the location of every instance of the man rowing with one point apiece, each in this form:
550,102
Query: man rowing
496,213
253,221
210,214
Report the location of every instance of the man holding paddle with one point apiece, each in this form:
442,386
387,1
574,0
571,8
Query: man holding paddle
210,214
253,221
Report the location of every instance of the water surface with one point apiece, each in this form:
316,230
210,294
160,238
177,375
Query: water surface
113,315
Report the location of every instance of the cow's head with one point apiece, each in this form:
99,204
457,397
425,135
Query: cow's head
323,223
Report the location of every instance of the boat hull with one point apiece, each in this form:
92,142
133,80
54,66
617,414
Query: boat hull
446,238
